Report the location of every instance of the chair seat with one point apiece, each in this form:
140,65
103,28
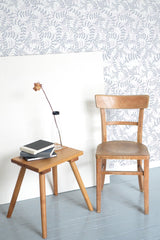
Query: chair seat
122,150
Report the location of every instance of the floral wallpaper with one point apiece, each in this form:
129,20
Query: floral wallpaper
127,32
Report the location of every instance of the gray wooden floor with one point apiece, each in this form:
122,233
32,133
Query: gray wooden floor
69,219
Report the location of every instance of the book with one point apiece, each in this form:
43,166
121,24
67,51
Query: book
37,147
45,153
31,157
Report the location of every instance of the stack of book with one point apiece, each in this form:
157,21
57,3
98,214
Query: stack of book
37,150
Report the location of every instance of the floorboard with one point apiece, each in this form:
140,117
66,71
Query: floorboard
68,217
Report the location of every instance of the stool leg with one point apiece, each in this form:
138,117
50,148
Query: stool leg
98,180
146,186
43,204
16,191
55,180
81,185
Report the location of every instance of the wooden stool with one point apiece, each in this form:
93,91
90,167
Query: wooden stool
43,166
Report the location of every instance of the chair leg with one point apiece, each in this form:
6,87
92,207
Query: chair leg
98,180
55,180
140,177
146,186
16,191
103,175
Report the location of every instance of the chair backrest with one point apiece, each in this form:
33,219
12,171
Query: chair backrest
122,102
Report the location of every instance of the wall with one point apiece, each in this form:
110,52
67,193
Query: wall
126,31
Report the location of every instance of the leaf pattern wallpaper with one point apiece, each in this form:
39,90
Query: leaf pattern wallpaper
127,32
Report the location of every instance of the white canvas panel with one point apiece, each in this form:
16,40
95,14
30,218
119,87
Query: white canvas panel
70,81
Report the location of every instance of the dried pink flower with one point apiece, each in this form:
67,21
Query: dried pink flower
37,87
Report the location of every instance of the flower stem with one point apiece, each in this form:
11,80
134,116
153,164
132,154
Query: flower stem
53,116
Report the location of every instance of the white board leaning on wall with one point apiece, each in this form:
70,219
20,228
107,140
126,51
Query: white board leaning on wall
71,81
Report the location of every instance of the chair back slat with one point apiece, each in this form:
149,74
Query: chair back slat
121,123
122,102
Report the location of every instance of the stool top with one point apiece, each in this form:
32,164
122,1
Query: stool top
63,155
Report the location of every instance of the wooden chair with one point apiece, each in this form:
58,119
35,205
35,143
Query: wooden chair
122,149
